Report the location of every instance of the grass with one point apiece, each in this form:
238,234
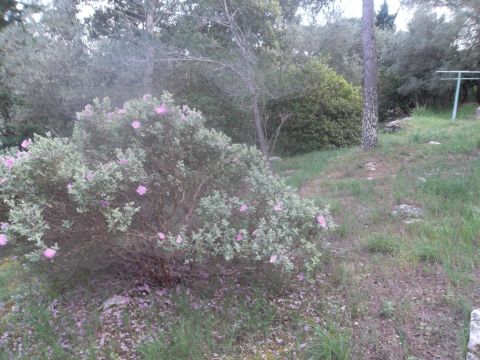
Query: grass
383,244
329,343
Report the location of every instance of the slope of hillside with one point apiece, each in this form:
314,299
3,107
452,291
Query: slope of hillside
410,281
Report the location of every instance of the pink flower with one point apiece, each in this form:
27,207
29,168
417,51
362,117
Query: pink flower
278,207
239,237
88,111
26,143
89,176
104,203
123,161
179,239
243,208
301,277
3,240
4,226
136,124
161,236
69,186
273,259
49,253
321,221
141,190
161,110
147,97
9,162
121,111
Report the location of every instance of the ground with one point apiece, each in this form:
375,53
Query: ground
390,288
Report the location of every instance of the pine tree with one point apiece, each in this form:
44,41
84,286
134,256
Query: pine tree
370,78
384,20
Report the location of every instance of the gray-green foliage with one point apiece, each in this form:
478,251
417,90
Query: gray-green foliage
150,187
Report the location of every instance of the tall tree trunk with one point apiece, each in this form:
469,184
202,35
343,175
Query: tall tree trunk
149,48
370,78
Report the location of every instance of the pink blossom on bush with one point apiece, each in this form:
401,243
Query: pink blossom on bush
88,111
26,143
3,240
4,226
69,186
89,176
301,277
123,161
161,110
104,203
9,162
273,259
239,237
49,253
147,97
179,239
278,207
243,208
121,111
161,236
141,190
136,124
321,221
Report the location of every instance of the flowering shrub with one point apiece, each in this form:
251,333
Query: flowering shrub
148,187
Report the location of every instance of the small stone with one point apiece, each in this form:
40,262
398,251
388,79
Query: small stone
474,340
396,125
405,211
116,300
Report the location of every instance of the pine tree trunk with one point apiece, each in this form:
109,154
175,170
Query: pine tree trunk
149,49
370,78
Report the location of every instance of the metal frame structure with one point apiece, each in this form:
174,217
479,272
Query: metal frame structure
459,79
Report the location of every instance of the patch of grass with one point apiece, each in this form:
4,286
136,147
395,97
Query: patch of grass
189,336
307,166
382,243
329,343
388,309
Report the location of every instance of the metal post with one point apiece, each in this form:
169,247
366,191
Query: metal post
457,95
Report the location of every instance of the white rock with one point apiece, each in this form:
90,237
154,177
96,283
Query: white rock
405,211
474,340
116,300
434,143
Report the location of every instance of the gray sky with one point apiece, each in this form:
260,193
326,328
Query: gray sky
353,8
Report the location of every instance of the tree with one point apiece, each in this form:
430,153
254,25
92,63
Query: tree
370,78
384,20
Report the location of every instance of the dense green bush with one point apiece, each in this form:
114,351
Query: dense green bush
150,188
327,114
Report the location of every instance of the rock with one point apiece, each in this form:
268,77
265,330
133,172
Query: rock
371,166
474,340
405,211
396,125
477,113
434,143
116,300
